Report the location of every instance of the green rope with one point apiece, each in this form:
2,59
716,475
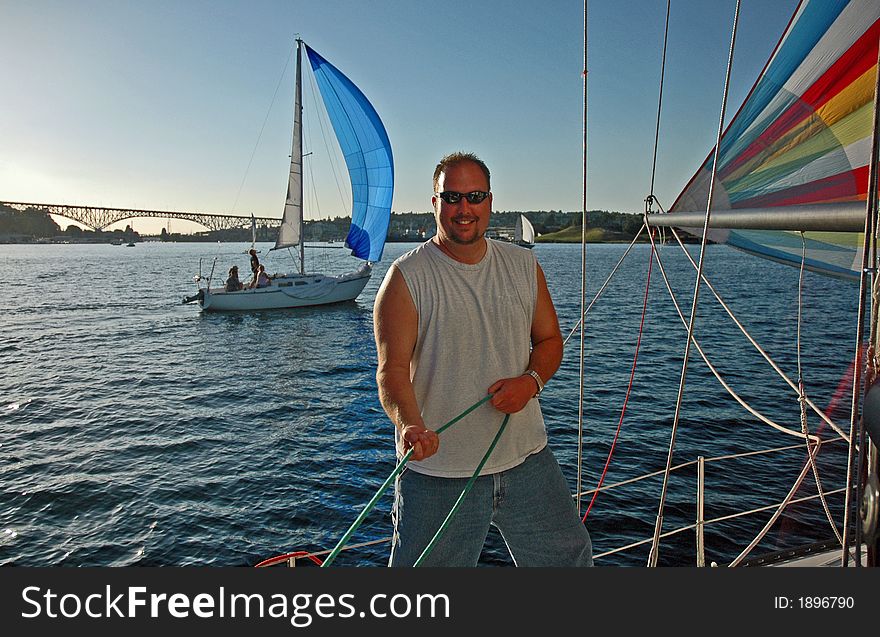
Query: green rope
464,493
389,480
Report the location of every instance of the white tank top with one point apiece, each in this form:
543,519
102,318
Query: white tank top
474,329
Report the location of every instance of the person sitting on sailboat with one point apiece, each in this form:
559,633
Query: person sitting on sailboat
263,280
233,284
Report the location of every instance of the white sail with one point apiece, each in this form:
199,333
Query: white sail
290,232
528,232
524,233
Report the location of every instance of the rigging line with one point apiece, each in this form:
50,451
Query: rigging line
604,285
262,128
655,547
870,359
799,318
331,156
871,213
397,470
663,229
821,413
632,375
313,191
580,436
463,495
785,502
867,248
659,106
802,395
713,369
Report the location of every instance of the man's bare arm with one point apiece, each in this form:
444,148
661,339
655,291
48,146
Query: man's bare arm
395,327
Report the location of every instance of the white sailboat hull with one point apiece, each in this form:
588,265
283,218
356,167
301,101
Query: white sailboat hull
289,292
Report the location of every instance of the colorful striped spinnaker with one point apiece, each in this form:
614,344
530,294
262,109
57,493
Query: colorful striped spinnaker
802,138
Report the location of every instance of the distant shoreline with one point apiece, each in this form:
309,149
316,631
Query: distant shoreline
157,239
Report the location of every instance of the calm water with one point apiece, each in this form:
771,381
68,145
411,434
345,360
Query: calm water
140,431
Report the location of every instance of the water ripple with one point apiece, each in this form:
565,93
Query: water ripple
138,431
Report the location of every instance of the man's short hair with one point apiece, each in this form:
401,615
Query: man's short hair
457,158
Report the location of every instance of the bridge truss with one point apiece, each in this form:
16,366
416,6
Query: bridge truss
98,218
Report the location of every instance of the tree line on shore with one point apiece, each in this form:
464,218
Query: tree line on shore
552,225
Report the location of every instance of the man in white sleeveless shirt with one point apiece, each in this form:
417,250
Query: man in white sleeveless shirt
460,316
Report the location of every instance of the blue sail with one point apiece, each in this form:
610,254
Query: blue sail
367,152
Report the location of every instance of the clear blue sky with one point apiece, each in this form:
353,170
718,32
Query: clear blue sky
160,104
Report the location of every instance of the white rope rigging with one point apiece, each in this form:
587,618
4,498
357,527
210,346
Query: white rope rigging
814,442
658,526
712,368
802,395
821,413
779,510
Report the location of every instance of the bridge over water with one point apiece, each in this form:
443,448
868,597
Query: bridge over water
98,218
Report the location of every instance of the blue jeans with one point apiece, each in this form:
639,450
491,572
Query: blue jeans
530,505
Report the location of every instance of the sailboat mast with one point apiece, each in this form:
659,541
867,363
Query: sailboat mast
866,478
297,151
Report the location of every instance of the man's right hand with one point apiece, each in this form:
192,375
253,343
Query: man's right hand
423,442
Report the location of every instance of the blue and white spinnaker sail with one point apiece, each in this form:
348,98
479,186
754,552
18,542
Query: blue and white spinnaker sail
367,152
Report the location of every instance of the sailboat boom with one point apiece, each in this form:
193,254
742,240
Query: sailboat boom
836,217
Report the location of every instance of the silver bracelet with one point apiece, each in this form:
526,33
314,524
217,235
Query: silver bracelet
537,377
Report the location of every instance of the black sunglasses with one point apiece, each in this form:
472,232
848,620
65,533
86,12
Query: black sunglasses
450,196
